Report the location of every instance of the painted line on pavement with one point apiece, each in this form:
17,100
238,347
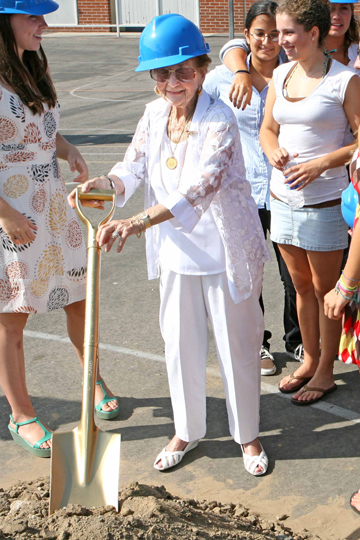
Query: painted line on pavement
351,416
100,81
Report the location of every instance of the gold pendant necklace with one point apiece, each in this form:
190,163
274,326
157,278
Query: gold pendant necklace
171,161
180,171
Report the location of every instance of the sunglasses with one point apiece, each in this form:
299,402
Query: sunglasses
182,74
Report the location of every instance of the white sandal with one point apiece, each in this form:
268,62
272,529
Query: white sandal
170,459
251,462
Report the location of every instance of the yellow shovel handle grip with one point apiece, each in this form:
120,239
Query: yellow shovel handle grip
96,194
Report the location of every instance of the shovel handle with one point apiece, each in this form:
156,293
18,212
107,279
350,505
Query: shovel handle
99,195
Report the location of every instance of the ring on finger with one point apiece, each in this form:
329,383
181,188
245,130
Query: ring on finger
115,234
17,237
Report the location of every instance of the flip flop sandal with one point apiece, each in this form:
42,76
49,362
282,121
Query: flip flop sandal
293,377
33,449
307,388
251,462
105,415
171,459
353,507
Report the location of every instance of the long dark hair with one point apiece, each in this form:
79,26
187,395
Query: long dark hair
352,33
29,78
262,7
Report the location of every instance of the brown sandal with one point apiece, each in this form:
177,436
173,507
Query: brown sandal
293,377
306,388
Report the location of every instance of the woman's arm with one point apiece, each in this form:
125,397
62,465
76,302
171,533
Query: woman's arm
269,133
126,227
234,55
127,174
19,228
334,303
307,172
69,152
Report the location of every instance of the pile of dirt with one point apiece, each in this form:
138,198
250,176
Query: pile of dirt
146,513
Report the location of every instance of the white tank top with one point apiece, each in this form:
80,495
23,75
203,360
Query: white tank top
313,127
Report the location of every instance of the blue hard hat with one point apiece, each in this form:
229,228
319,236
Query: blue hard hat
169,39
349,202
27,7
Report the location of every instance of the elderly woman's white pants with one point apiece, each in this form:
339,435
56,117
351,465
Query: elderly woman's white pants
186,303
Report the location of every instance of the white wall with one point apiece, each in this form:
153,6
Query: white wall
66,15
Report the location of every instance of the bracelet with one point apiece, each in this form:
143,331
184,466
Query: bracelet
351,289
112,183
242,71
349,279
136,221
345,291
354,295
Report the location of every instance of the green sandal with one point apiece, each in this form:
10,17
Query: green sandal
33,449
105,415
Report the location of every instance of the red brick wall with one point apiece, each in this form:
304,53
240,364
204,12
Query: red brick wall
91,12
214,15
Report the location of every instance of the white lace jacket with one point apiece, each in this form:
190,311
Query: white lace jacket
213,175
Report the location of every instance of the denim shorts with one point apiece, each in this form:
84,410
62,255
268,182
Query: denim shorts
313,229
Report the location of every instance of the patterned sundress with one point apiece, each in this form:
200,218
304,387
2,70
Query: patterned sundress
50,271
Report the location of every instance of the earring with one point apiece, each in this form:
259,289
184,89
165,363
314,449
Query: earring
157,91
199,92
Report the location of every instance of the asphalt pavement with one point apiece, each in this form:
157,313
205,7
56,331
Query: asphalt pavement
314,457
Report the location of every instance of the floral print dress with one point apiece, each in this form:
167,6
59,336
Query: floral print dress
50,271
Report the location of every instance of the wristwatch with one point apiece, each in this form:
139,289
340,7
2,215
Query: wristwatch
145,218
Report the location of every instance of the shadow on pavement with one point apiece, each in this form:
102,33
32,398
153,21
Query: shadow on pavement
95,139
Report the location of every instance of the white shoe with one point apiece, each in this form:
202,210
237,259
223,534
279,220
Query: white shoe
268,366
251,462
297,353
170,459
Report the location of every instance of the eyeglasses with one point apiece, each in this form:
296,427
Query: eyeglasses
183,74
260,36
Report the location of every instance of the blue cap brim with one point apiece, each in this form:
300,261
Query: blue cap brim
168,61
343,1
41,9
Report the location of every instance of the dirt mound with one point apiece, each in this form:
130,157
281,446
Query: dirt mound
146,513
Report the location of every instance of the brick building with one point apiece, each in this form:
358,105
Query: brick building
212,16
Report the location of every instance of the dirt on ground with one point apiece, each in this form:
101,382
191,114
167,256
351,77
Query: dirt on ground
146,513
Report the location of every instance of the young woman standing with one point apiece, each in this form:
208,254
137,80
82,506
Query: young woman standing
311,102
42,252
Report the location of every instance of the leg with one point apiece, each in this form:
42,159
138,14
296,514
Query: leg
268,366
299,268
12,375
325,269
292,335
238,330
75,318
183,323
264,216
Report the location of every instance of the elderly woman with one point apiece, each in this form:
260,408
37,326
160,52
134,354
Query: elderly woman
203,237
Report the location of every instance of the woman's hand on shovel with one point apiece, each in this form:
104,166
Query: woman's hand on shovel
117,231
99,182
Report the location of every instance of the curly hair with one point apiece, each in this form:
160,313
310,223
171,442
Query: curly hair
309,13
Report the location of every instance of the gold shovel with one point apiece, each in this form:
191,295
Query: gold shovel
85,462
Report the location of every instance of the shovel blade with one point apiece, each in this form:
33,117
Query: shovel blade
88,480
